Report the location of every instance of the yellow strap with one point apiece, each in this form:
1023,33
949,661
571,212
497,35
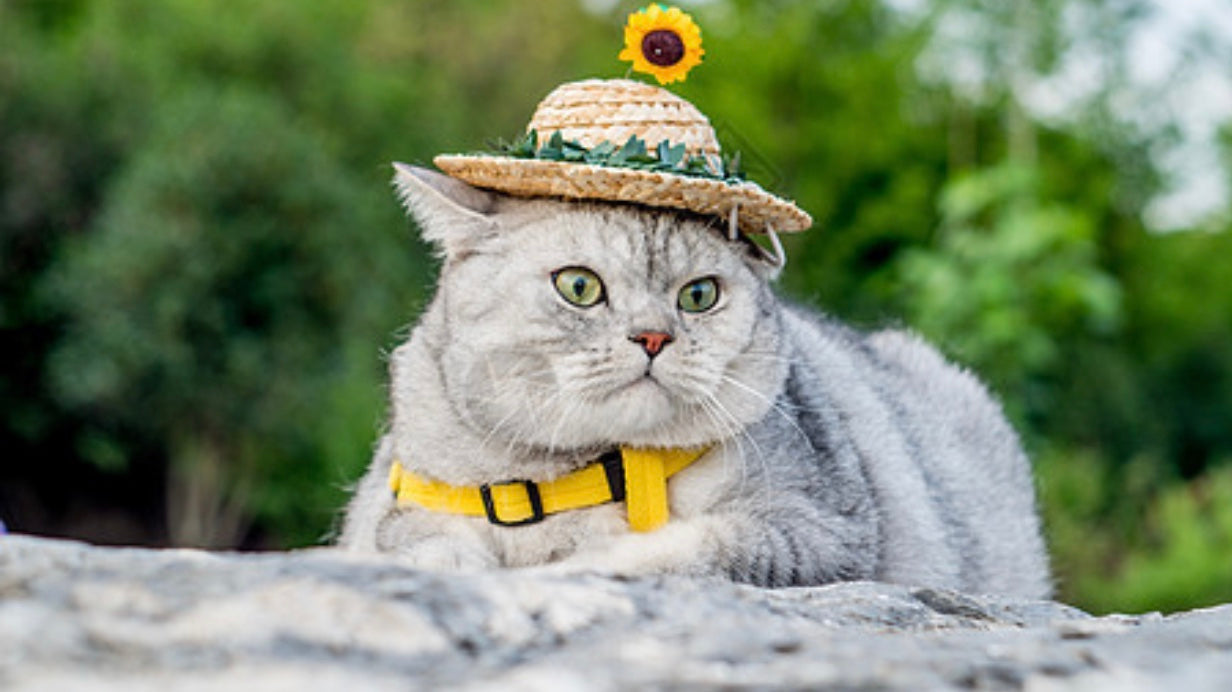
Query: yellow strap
674,460
645,489
646,474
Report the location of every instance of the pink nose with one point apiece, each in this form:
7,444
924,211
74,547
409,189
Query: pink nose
652,342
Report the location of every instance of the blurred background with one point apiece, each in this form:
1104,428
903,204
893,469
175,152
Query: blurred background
201,263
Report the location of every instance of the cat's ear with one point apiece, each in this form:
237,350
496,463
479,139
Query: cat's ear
767,264
451,215
767,268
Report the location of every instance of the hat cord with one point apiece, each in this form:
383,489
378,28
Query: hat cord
780,256
733,234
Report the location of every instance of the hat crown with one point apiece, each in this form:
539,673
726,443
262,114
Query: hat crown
597,110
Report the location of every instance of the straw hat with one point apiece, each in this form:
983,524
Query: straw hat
595,111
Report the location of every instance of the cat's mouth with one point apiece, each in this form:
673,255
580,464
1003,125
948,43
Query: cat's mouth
645,380
645,390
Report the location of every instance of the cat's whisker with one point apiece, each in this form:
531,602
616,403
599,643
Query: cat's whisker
487,438
523,407
746,436
566,416
743,435
774,405
538,415
519,405
727,425
528,379
768,357
729,435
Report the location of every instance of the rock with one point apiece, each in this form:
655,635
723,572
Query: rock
77,617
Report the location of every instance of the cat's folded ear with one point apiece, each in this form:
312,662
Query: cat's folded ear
451,215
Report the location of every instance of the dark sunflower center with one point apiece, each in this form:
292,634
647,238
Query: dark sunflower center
662,47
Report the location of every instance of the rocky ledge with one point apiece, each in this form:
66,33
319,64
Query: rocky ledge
74,616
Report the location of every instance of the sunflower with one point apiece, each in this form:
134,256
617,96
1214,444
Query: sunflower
662,42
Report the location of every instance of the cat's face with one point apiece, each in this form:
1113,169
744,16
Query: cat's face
584,325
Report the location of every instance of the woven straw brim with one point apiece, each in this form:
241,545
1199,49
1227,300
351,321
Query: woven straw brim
580,181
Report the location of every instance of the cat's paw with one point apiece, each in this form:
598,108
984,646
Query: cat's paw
573,567
680,548
432,542
445,554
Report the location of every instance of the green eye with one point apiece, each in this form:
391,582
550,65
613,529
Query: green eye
579,286
699,295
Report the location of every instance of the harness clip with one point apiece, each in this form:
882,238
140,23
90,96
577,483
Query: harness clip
532,494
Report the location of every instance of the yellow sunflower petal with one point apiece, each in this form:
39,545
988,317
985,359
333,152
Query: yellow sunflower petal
656,18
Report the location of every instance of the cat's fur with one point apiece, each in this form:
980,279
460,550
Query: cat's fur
835,455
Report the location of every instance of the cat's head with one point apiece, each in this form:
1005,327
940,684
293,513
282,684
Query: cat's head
566,325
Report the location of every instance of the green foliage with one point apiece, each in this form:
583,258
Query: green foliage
208,305
1007,275
1129,541
1183,557
1181,334
820,101
202,260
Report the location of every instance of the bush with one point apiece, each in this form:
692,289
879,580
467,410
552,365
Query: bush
214,307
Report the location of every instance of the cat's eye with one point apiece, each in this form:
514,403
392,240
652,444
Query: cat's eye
699,295
579,286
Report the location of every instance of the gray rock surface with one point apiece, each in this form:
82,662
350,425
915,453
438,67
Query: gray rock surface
79,617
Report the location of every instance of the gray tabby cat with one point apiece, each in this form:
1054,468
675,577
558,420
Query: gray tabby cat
833,455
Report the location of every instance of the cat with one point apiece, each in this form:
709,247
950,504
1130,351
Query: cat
830,454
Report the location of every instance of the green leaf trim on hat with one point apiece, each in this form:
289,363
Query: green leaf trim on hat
634,154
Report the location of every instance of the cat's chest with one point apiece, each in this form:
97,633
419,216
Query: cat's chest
693,492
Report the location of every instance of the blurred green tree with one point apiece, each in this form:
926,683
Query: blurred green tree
1008,272
210,305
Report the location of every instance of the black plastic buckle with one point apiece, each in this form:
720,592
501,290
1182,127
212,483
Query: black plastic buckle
532,494
614,468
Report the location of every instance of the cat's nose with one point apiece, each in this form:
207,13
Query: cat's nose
652,342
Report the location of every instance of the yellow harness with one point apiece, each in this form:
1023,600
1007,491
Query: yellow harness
636,476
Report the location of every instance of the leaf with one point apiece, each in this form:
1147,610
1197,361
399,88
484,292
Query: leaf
698,165
554,149
572,150
523,147
732,169
670,156
528,145
633,149
601,153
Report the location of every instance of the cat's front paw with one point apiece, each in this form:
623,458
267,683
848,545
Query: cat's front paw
681,548
572,567
422,543
444,554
